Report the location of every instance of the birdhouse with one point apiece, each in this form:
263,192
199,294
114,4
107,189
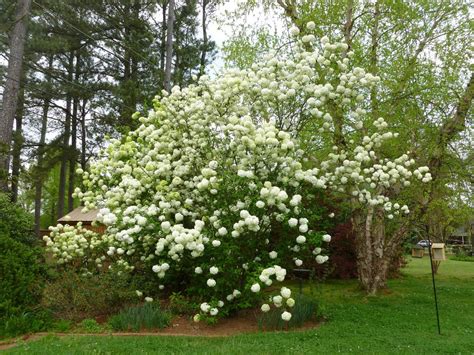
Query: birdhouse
417,251
438,251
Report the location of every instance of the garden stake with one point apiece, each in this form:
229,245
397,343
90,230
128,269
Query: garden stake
434,286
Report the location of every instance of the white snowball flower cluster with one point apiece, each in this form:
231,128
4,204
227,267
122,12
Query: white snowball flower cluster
214,168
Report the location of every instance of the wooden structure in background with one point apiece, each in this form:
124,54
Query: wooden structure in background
417,251
76,216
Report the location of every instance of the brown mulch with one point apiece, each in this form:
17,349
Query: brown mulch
242,323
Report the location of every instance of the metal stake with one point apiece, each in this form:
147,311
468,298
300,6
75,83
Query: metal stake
434,286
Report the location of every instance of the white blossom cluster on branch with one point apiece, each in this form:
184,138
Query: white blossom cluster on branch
213,185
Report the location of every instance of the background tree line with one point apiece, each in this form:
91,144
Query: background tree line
74,72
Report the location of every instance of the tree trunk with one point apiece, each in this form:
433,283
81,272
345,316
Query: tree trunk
205,40
373,59
163,39
41,146
65,146
17,145
73,155
12,85
83,135
169,45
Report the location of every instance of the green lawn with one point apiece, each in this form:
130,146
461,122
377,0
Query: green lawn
401,321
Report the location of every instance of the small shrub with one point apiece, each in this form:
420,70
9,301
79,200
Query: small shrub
462,258
15,222
305,309
74,296
179,304
21,277
90,326
26,322
61,325
146,316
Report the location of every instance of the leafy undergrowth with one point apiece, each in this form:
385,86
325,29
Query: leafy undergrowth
304,310
399,321
147,316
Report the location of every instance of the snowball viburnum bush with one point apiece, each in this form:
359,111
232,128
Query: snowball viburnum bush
212,186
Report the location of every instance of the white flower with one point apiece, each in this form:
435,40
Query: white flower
139,293
273,254
255,287
260,204
198,270
214,311
213,270
310,25
148,299
265,307
222,231
292,222
216,243
290,302
331,215
326,238
285,292
286,316
211,282
294,31
298,262
301,239
197,318
320,259
205,307
220,304
277,300
303,228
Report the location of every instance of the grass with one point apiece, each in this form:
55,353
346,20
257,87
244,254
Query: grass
401,321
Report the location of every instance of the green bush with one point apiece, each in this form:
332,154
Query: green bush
15,222
179,304
71,295
90,326
21,277
146,316
462,258
26,322
305,309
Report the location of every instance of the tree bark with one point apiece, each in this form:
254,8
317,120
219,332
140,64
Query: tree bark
163,38
169,45
374,59
205,39
40,154
83,135
73,155
349,24
17,145
12,85
65,146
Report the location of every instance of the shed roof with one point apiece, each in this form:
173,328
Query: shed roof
76,215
